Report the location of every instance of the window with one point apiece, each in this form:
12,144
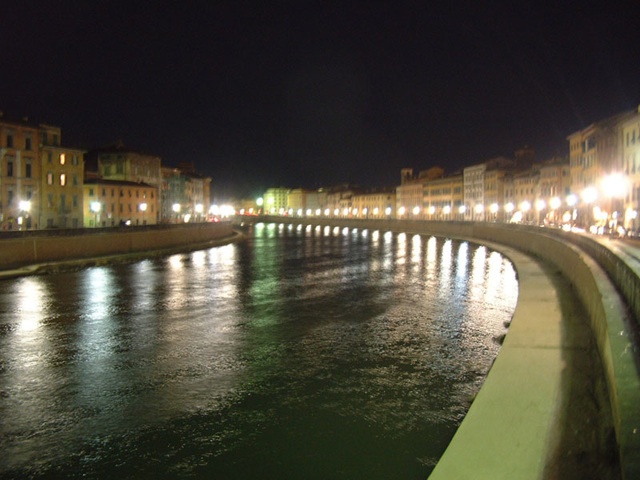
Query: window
63,179
9,169
27,143
75,180
10,197
27,170
50,200
49,157
9,141
75,200
55,139
63,200
104,192
91,192
63,158
49,178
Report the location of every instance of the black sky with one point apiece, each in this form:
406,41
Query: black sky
309,94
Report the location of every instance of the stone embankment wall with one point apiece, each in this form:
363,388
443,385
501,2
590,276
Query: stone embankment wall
20,249
605,285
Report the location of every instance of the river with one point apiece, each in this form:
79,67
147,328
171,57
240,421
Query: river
298,353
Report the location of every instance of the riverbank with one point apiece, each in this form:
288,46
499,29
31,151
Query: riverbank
37,252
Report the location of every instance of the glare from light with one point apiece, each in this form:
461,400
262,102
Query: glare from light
555,203
462,209
365,210
509,207
227,210
143,207
432,210
199,208
416,210
589,194
525,206
614,185
187,217
176,207
540,205
214,209
572,200
402,211
387,211
376,211
259,201
447,209
479,208
24,205
299,213
95,207
336,212
517,217
309,212
494,208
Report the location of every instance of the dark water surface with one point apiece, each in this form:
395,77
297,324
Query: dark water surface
300,353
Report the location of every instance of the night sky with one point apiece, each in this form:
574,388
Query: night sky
310,94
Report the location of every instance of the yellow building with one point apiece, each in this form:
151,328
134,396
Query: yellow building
109,203
62,177
373,205
275,200
410,201
118,162
443,198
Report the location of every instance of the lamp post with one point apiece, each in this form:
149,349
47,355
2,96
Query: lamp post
95,208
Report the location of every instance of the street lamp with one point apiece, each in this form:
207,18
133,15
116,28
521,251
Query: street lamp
176,209
614,186
24,206
95,208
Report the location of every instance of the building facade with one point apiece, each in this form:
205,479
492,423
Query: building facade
275,200
40,180
110,203
631,169
61,187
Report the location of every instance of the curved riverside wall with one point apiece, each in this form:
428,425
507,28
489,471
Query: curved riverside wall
605,285
20,249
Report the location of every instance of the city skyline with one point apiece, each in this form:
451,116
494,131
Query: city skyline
259,96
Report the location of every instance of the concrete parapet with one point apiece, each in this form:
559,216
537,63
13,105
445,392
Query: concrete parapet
39,247
485,445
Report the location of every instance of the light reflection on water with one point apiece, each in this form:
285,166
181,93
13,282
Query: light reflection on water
304,352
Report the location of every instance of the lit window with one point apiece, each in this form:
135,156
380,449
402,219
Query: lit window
63,179
62,159
49,178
